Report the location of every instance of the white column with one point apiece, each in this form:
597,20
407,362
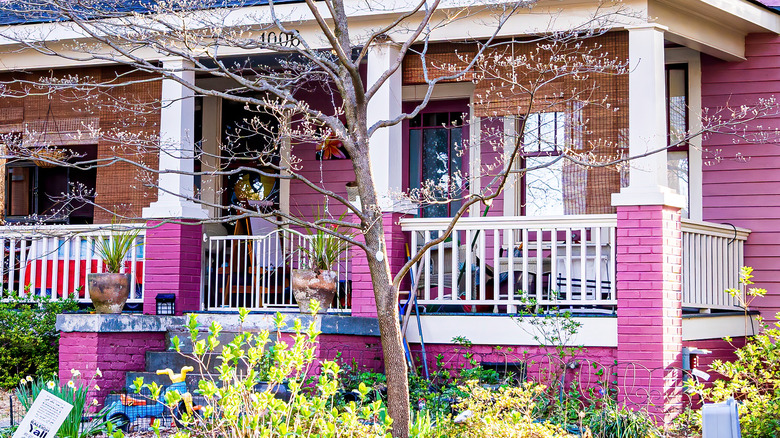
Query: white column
647,121
177,123
386,143
211,186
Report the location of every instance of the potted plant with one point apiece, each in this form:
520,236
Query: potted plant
315,278
109,290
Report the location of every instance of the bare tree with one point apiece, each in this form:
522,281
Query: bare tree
321,46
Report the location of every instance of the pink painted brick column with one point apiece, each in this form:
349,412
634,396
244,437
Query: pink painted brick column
363,302
173,265
649,265
114,353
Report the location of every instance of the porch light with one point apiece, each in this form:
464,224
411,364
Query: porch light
166,304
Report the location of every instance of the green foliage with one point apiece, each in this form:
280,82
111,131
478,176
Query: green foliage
113,249
554,328
608,420
28,337
234,406
324,247
506,412
74,392
753,378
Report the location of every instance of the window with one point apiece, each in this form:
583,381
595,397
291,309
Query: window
552,185
35,193
435,159
677,129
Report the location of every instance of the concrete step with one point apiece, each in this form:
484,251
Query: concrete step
150,377
185,341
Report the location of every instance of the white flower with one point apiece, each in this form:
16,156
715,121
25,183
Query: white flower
97,388
71,384
94,402
22,382
50,384
28,378
75,372
98,373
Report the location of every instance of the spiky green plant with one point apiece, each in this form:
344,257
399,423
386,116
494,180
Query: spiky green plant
113,249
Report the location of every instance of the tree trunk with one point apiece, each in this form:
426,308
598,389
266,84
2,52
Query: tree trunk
390,330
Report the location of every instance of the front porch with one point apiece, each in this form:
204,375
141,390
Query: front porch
490,265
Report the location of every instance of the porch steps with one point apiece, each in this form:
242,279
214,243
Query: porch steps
159,360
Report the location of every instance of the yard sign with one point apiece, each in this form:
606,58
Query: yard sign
44,418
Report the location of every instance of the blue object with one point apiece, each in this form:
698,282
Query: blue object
721,420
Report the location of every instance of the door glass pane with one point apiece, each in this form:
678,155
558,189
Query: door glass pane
543,187
435,167
20,191
678,110
677,166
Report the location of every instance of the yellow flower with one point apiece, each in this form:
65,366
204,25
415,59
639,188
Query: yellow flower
98,373
50,384
71,384
97,388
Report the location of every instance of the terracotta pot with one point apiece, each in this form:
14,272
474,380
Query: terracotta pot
109,292
307,285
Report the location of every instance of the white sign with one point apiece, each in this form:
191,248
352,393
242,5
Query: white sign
44,418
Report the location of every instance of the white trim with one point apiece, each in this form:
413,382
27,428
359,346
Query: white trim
681,55
504,330
513,182
511,222
458,90
718,327
211,186
475,159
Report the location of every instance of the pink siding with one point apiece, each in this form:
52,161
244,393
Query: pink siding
742,186
491,153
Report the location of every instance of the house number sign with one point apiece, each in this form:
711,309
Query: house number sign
279,39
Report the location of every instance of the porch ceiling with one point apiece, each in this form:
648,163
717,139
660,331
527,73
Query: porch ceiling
715,27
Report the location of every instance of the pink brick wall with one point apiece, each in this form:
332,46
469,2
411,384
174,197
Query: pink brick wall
113,353
364,351
173,265
649,304
740,180
363,303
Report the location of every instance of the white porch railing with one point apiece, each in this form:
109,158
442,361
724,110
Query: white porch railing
495,264
53,261
712,255
254,272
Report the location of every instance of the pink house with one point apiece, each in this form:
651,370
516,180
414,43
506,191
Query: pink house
641,254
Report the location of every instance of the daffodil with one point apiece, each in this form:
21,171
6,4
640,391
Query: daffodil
28,378
94,402
75,372
98,373
71,384
97,388
22,382
50,384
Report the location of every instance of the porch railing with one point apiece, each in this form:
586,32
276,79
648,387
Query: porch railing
254,271
495,264
53,261
712,255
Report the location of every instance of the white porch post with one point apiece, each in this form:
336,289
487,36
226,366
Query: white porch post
385,144
648,181
649,240
177,123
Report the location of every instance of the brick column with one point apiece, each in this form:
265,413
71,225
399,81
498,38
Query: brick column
649,265
114,353
363,302
173,265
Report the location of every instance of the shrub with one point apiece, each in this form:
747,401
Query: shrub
235,407
505,412
28,337
753,378
608,420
